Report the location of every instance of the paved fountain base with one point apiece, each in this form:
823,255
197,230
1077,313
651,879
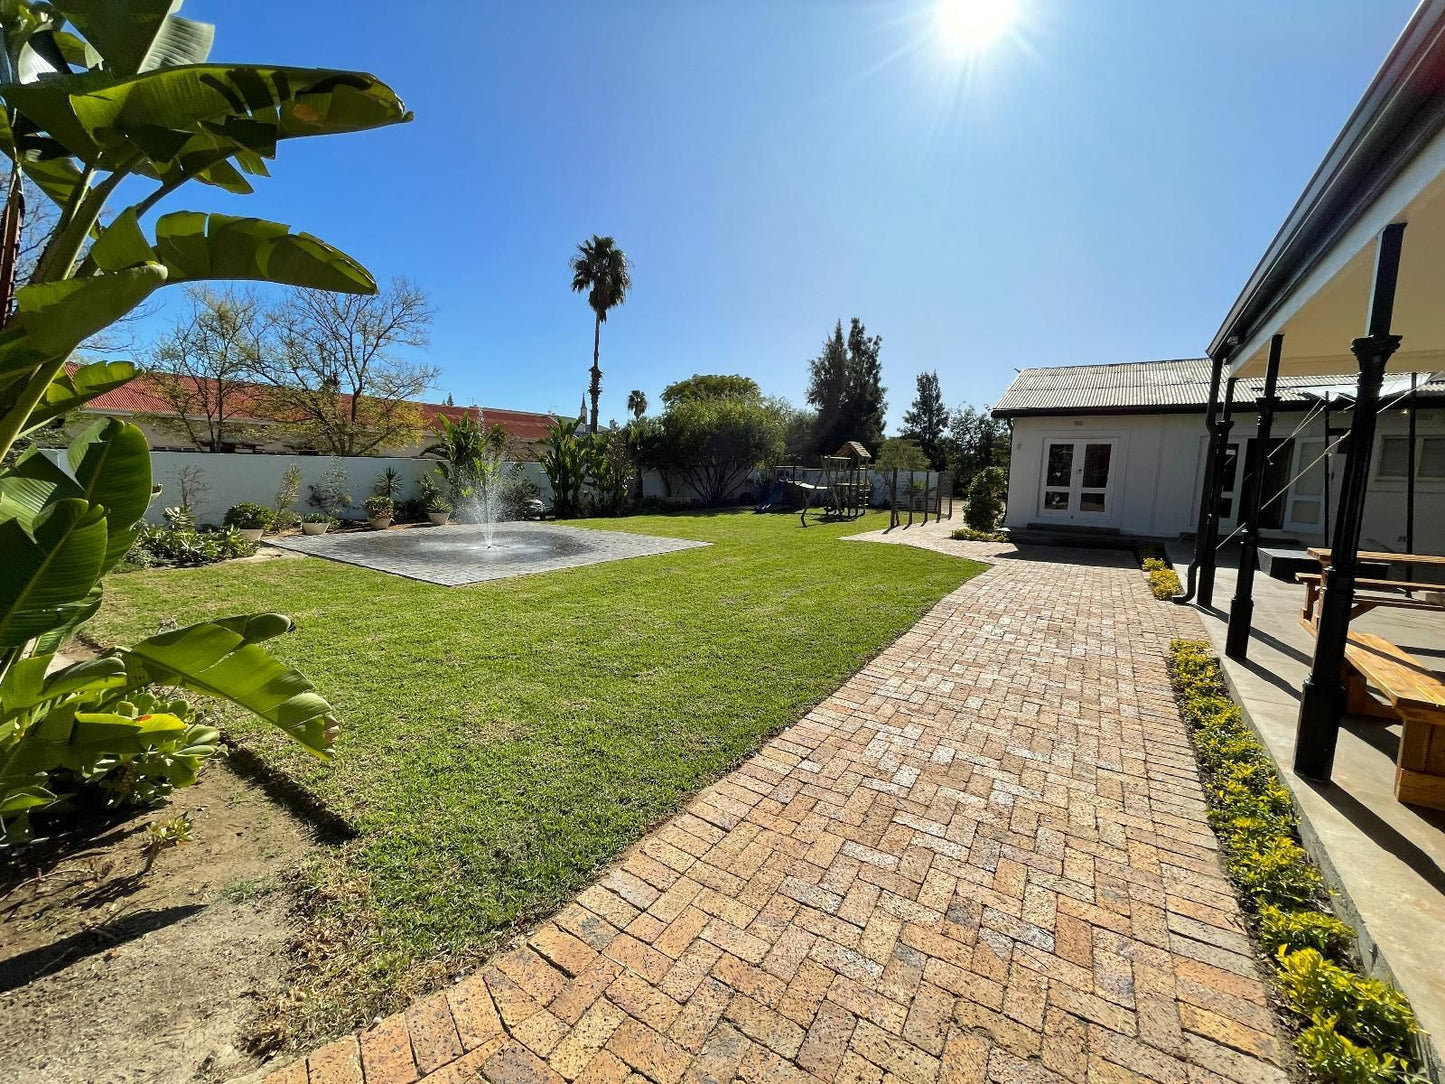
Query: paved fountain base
457,553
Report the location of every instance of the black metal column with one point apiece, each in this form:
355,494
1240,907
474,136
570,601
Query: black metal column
1211,524
1211,415
1410,473
1241,607
1323,700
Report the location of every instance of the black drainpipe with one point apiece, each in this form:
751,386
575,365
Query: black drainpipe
1210,418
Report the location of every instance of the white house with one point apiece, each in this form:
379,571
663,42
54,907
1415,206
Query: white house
1120,449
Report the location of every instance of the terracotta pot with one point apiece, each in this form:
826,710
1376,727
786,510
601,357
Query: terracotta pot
252,534
439,519
314,528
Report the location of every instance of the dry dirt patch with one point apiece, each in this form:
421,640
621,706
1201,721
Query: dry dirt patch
112,973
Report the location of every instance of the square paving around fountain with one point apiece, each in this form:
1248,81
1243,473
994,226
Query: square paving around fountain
454,555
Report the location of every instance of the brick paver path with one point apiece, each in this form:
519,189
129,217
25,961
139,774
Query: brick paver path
984,858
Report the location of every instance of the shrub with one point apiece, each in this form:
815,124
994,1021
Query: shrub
286,494
1359,1030
317,517
1366,1011
517,493
1328,1055
186,547
249,516
985,499
1154,564
379,507
970,534
1295,930
1164,582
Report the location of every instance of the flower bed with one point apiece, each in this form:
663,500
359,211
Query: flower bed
1354,1030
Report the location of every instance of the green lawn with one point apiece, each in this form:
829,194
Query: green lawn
501,742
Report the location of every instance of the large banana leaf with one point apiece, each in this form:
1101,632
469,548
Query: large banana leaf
194,246
109,466
169,112
138,35
224,659
48,573
52,318
74,389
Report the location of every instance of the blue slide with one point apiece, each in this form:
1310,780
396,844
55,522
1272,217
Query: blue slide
775,498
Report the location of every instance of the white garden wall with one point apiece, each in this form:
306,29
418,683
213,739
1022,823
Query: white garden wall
239,476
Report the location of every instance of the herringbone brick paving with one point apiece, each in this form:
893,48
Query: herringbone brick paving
984,859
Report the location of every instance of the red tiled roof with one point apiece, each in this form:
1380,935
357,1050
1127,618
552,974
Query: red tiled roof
244,403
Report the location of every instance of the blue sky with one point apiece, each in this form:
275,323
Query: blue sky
1094,188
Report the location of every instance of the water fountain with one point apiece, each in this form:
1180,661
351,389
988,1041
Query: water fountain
483,544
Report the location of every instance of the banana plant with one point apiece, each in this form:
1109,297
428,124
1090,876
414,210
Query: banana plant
104,98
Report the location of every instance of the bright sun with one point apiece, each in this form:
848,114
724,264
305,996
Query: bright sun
970,26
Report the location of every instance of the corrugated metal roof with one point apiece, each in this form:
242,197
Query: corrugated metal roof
1141,387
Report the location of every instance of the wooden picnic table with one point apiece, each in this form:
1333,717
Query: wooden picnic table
1369,594
1322,555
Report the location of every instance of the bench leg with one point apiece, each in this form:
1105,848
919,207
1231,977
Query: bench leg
1358,700
1420,766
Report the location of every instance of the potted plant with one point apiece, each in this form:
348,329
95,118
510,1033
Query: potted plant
438,510
250,518
379,511
315,523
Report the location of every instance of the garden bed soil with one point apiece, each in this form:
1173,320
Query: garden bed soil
111,973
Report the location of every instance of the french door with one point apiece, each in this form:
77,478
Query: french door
1307,495
1078,480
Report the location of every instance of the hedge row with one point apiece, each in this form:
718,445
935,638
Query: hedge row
1354,1030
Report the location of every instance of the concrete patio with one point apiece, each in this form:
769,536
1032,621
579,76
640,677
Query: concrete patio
1388,858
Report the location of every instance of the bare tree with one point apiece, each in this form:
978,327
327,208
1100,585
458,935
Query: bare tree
209,360
334,375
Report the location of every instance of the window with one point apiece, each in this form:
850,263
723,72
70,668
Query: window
1394,458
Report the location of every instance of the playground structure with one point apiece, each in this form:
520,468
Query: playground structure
843,486
840,488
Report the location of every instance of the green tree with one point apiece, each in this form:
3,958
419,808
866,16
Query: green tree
976,441
711,386
714,441
926,421
125,92
828,390
845,387
900,453
636,403
601,271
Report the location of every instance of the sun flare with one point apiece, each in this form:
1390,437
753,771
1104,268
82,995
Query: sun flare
969,26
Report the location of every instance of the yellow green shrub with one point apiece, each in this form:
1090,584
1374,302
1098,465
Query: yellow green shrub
1366,1011
1359,1029
1164,582
1328,1055
1295,930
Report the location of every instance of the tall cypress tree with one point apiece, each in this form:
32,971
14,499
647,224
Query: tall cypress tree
927,419
865,401
827,389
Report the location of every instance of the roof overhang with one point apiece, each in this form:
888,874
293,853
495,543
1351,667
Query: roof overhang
1387,166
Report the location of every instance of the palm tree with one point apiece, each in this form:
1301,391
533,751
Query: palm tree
637,403
600,270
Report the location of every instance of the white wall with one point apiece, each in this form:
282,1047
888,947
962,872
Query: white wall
235,477
1160,468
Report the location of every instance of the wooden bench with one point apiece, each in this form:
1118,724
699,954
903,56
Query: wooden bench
1416,698
1435,599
